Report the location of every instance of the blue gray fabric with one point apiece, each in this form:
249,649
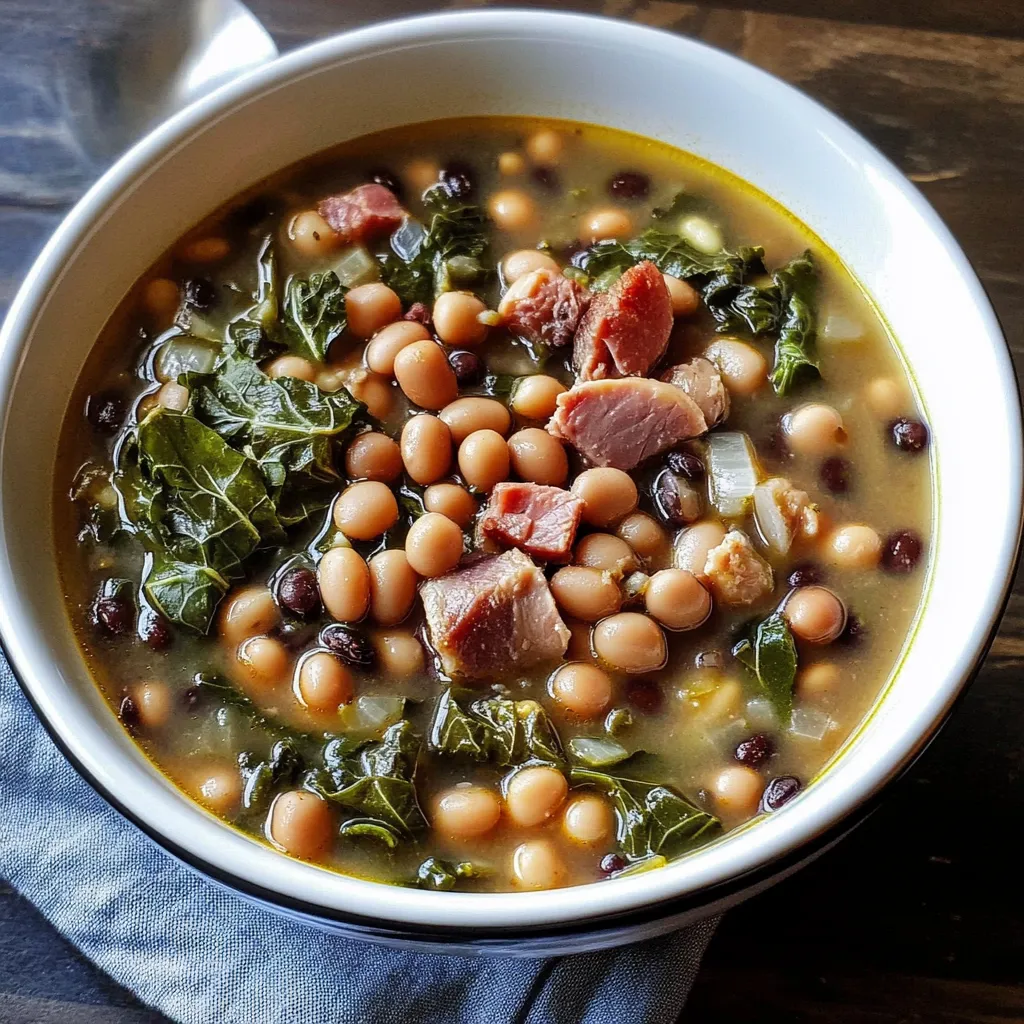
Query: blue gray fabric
203,956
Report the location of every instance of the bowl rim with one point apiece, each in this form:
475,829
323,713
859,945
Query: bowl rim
652,894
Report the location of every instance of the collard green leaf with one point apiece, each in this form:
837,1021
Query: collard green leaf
652,819
255,332
378,782
370,828
314,314
771,657
281,768
796,283
496,729
288,426
597,751
186,592
451,255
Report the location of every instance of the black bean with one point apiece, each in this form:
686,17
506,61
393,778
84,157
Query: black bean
114,615
201,293
105,411
755,751
612,862
629,185
902,551
645,695
353,647
774,446
298,592
909,435
468,366
835,473
192,697
546,177
675,499
155,630
384,176
128,712
807,574
458,180
686,464
779,791
853,633
418,312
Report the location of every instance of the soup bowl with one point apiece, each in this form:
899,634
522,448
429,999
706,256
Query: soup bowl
552,65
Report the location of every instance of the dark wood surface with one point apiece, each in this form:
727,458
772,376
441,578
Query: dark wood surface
919,915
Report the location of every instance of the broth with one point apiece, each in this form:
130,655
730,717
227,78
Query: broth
709,746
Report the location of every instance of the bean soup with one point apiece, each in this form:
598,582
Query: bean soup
494,504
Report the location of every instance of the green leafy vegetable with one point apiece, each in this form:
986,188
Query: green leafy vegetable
443,876
771,656
597,751
618,720
288,426
496,729
254,333
281,768
652,819
796,283
370,828
378,782
451,255
200,508
314,314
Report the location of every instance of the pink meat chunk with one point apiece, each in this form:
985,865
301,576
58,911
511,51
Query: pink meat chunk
493,617
364,212
700,379
626,329
622,422
540,520
544,307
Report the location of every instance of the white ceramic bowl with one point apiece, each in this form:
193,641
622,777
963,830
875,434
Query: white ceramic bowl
507,62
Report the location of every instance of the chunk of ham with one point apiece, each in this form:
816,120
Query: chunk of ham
737,573
625,330
785,514
544,307
622,422
493,616
700,379
363,213
540,520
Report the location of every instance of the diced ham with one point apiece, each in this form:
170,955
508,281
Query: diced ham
366,211
493,617
626,329
622,422
736,572
785,514
700,379
540,520
544,307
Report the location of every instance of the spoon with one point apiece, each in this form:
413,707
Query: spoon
163,58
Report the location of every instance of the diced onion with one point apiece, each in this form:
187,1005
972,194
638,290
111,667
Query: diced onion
184,354
809,723
770,520
760,713
356,266
839,329
408,238
371,714
732,472
701,233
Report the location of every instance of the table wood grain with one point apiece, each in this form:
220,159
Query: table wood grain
918,915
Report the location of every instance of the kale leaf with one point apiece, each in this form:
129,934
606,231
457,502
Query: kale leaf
451,254
443,876
796,283
652,819
281,768
496,729
289,427
255,332
771,657
314,314
370,828
378,782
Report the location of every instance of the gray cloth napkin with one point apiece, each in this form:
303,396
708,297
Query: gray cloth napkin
204,956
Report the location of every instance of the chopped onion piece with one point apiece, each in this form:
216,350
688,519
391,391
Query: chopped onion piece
356,265
634,586
770,520
371,714
732,472
839,329
810,723
760,713
183,354
408,238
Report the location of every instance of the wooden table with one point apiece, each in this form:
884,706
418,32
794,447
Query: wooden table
918,915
